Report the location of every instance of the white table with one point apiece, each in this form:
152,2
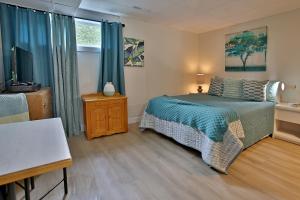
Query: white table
31,148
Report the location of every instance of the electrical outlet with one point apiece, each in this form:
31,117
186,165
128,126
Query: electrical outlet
288,86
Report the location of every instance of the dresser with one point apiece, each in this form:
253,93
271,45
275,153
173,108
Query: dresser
40,104
104,115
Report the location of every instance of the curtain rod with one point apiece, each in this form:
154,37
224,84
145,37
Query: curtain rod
123,25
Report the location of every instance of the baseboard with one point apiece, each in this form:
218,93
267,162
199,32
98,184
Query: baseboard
132,120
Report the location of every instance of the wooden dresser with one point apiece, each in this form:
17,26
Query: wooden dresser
40,104
104,115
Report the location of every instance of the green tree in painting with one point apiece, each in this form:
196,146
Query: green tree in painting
245,44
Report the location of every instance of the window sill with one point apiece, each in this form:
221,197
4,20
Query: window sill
88,49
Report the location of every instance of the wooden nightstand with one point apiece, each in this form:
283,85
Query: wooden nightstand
104,115
287,123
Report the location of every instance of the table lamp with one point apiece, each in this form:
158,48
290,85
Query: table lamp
200,80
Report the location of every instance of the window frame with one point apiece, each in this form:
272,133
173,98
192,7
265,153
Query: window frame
82,48
88,49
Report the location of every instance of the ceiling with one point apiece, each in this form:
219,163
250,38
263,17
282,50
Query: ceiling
68,7
193,15
190,15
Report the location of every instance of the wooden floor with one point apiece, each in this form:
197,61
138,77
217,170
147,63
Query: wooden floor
147,165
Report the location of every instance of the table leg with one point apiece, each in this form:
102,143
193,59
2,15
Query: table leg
65,180
11,191
27,189
32,183
2,192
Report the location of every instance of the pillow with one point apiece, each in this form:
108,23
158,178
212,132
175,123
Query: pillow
232,88
216,86
272,90
254,90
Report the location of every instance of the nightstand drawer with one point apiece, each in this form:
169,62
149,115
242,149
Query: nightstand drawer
287,123
288,116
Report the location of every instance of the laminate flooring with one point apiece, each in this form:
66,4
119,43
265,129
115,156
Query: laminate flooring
136,165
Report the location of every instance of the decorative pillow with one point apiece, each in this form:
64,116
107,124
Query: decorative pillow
233,88
216,86
272,90
254,90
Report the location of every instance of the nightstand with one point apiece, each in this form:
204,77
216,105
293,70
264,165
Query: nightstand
287,123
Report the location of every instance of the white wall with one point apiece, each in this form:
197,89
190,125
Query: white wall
170,65
283,53
171,59
88,71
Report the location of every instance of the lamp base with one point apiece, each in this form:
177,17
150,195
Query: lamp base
200,90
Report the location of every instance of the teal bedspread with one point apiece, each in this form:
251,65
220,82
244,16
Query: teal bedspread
257,118
212,120
211,114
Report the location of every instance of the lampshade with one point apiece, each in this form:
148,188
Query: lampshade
200,74
200,78
282,86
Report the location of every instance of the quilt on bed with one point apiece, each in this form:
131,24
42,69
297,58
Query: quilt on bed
213,121
238,116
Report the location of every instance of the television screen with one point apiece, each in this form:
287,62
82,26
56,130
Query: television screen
24,66
2,78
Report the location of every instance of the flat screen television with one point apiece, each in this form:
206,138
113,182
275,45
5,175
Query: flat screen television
22,65
2,78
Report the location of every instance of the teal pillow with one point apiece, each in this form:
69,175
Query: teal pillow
233,88
272,90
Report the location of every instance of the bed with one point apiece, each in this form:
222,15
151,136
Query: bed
220,128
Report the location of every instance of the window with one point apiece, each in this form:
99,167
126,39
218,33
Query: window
88,35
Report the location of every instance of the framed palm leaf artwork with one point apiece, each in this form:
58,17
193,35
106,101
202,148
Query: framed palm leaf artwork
246,51
133,52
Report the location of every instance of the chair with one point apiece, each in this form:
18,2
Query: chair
14,108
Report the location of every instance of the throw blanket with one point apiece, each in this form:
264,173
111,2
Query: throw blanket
213,121
13,108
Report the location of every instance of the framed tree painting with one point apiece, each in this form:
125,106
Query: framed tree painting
133,52
246,51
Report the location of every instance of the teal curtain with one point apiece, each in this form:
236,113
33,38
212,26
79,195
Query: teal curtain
51,39
29,30
66,89
112,56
